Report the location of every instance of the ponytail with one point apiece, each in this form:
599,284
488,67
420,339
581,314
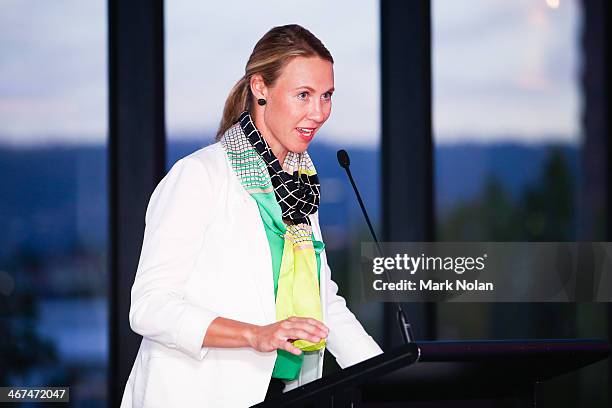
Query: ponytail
237,102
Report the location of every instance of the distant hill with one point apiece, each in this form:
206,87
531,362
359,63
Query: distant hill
55,199
461,170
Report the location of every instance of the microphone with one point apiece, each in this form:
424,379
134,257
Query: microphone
345,162
405,328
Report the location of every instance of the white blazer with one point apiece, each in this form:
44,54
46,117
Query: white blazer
205,254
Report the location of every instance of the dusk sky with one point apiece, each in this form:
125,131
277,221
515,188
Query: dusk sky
503,69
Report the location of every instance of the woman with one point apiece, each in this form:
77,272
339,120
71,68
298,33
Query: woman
233,295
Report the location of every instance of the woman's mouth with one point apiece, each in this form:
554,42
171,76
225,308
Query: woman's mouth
306,133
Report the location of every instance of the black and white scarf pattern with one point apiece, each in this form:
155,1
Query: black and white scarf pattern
298,190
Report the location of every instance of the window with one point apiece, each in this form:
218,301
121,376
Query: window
506,119
508,106
53,211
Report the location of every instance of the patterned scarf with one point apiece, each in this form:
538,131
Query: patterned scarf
285,199
297,191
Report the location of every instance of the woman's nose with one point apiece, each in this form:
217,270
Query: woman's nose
316,112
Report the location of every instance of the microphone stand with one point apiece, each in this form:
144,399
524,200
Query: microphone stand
405,327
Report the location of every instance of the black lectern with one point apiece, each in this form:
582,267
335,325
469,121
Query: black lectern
449,373
340,389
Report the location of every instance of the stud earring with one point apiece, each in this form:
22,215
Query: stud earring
261,102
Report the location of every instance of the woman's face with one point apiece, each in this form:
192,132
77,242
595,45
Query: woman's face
296,106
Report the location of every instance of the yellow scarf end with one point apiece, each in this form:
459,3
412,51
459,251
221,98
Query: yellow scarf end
305,345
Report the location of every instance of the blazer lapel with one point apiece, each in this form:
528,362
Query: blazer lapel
262,273
253,231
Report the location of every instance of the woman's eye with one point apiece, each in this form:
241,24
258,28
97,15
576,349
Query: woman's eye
327,95
303,95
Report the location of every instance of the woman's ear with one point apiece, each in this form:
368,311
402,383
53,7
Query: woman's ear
258,87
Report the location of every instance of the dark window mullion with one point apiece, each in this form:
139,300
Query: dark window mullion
136,159
407,158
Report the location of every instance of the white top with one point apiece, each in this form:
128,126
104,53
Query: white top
205,254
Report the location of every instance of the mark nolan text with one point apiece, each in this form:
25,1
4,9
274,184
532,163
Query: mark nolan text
447,285
457,285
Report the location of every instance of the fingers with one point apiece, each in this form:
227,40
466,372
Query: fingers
296,334
287,346
308,324
281,340
282,333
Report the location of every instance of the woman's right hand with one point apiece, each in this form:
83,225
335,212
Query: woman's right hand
280,334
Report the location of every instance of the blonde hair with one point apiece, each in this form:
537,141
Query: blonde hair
271,53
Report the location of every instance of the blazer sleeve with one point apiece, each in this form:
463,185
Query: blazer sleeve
347,340
175,223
